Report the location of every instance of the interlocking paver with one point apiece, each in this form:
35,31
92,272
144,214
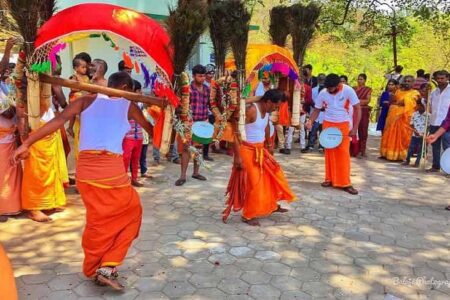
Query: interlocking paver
329,245
256,277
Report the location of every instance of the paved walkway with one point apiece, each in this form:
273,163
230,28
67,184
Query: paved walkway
392,239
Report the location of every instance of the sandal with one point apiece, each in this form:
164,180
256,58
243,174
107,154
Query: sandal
351,190
199,177
108,276
326,184
251,222
180,182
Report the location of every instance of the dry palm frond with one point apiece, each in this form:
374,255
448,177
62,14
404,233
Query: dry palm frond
280,23
238,19
219,32
185,25
26,15
304,21
46,11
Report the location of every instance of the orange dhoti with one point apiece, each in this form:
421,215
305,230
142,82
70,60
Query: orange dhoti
45,174
337,160
266,183
8,289
10,181
113,210
227,133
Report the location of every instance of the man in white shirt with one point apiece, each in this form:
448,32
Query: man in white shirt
440,102
338,100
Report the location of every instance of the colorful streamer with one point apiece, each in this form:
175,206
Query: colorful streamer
53,52
146,75
43,67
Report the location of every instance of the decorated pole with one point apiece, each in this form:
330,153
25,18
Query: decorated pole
239,24
185,25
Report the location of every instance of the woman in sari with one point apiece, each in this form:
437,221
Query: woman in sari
364,93
397,132
385,103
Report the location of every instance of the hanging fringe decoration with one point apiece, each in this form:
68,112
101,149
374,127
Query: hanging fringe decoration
136,67
43,67
53,52
153,80
108,39
127,60
146,75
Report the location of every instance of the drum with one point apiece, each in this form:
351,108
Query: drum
202,132
445,161
331,138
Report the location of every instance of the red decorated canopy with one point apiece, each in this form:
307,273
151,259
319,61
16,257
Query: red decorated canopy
126,23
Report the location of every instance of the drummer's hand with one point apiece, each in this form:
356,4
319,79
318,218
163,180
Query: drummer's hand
353,132
431,138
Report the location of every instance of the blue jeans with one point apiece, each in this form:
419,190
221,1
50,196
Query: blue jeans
173,153
316,128
416,143
143,159
442,142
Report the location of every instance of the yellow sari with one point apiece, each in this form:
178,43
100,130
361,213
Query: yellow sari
397,132
45,174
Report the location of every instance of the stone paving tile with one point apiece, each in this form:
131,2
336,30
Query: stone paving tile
329,246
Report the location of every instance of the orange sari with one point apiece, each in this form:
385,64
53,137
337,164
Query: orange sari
8,289
10,176
397,132
266,183
113,209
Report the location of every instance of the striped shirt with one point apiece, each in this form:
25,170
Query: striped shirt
135,133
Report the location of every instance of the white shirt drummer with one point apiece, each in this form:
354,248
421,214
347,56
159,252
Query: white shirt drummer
339,106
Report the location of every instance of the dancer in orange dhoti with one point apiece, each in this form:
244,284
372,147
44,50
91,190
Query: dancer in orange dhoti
397,131
257,182
113,209
337,100
10,175
8,289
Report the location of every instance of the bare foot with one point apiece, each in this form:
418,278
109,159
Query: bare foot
281,210
251,222
38,216
112,282
136,183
